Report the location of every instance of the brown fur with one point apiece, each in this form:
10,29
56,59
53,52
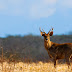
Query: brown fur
57,51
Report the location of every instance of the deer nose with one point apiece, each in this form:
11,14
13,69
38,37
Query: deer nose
46,39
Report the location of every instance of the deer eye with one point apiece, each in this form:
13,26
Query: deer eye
46,37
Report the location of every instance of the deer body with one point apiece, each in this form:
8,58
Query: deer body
57,51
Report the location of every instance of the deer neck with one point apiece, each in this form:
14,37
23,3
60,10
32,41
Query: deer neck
47,43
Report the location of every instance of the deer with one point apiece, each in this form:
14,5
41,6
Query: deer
56,51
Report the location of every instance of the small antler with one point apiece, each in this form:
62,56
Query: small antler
42,32
50,30
40,29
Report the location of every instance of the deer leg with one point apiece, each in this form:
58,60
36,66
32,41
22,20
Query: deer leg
55,63
68,62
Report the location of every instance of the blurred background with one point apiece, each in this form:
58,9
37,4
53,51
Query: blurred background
20,21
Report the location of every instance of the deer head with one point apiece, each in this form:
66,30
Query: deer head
46,35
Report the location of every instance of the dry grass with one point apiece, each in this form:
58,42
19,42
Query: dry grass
33,67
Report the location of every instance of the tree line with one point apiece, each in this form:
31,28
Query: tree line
28,47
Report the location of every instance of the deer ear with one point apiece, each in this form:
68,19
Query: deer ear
51,33
42,34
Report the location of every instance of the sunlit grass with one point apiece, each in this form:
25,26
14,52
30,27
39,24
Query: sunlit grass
33,67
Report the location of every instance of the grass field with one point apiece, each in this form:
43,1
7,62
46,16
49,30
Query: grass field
33,67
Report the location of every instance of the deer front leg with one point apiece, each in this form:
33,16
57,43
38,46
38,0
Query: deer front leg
54,62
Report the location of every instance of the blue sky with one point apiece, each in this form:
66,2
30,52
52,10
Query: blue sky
22,17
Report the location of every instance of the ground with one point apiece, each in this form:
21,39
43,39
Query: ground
33,67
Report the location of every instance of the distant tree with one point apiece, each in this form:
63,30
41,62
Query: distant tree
30,46
70,33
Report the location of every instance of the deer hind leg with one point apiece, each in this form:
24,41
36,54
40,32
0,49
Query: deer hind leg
68,62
